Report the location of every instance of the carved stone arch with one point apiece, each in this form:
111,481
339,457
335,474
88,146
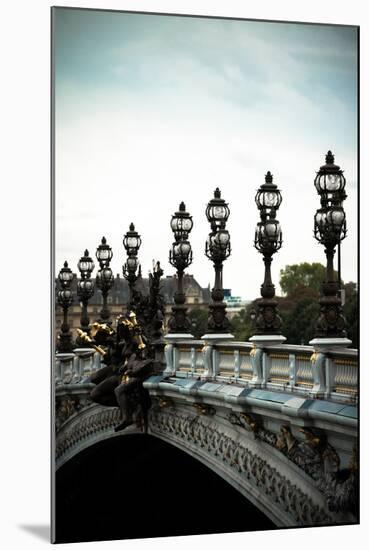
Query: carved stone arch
255,469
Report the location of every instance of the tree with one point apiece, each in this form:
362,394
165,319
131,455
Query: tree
350,311
242,325
199,320
299,322
299,307
304,275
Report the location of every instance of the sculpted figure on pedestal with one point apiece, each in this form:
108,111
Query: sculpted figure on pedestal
119,382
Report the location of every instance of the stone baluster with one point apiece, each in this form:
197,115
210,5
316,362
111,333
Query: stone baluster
66,367
292,370
215,362
96,361
258,379
168,354
207,353
86,359
193,360
57,372
319,375
237,363
266,366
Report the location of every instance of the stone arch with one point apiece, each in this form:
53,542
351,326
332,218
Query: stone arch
166,493
260,473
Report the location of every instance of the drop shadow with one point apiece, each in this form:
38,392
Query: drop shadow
40,531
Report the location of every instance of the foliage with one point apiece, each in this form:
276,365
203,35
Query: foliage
351,312
303,275
199,319
299,307
299,321
241,324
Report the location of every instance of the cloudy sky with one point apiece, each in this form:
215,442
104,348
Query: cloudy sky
153,110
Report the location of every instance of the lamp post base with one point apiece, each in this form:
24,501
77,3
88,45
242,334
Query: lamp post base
329,344
64,343
264,340
178,336
213,336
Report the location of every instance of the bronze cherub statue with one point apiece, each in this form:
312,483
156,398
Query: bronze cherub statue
120,381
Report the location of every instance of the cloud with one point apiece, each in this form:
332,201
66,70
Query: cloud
219,106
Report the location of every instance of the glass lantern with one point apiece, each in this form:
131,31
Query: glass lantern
268,196
65,275
132,263
132,241
86,265
217,211
330,182
104,253
336,221
181,223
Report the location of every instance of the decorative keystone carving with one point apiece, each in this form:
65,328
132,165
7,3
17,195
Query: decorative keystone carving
341,488
244,420
210,439
315,456
203,409
164,402
66,406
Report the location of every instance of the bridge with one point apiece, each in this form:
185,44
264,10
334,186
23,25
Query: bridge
277,422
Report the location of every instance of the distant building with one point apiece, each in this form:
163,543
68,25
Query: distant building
196,297
234,303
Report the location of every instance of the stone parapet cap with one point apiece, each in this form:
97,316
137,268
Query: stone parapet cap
338,414
267,340
84,351
215,337
180,337
64,356
330,344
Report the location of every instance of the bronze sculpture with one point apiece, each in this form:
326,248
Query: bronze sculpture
119,382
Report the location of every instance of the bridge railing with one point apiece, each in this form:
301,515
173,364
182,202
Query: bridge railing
298,369
76,367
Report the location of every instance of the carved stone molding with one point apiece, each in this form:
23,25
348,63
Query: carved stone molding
202,433
253,469
66,405
99,420
203,409
315,456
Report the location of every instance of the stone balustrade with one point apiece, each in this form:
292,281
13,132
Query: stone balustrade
299,369
76,367
329,375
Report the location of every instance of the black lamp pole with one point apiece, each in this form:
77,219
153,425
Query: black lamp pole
131,242
65,299
330,230
268,240
85,288
180,257
104,277
218,249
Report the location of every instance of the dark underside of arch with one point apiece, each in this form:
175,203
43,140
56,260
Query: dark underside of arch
138,486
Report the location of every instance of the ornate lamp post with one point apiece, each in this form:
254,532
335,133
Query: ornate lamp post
268,240
65,299
180,257
104,277
218,249
85,287
330,230
131,242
